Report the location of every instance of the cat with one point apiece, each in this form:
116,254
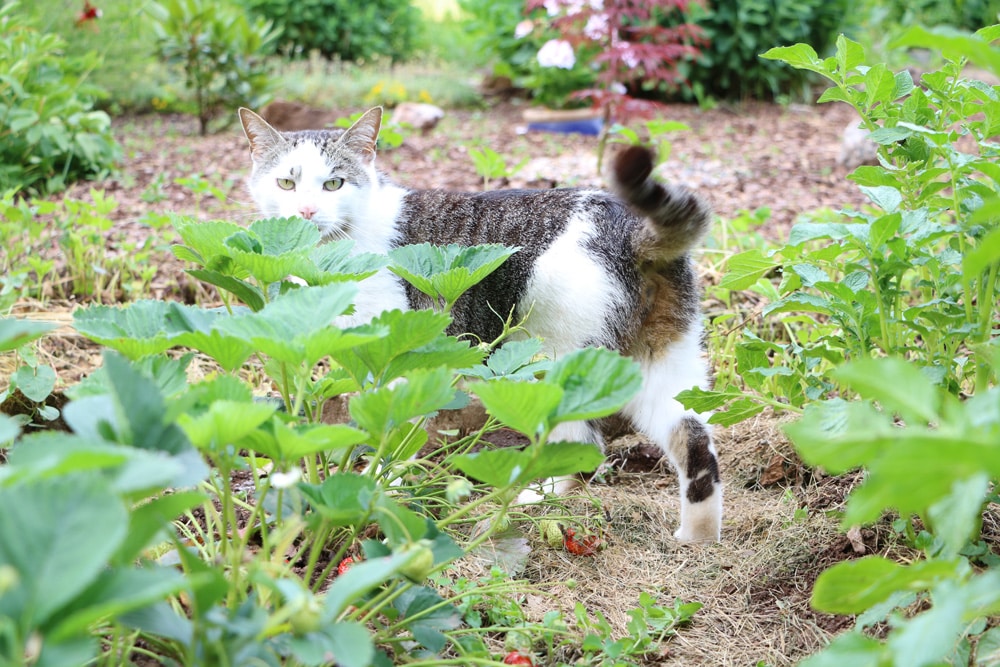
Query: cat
594,268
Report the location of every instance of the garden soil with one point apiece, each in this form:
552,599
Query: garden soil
780,529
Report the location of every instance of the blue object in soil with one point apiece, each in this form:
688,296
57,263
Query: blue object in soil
591,126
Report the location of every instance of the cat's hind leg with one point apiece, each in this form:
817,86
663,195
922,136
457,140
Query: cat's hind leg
683,436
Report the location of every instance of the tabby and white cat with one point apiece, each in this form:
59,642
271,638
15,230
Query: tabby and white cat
594,269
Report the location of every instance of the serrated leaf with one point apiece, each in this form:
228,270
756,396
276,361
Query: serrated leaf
595,383
425,391
205,239
343,499
224,423
447,272
58,538
502,468
280,236
523,406
244,291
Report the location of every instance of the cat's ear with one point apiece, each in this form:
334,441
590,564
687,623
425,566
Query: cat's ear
361,136
263,138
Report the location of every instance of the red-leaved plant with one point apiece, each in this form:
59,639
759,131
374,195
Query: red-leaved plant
636,53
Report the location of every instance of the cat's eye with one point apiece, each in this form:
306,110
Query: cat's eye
333,184
286,184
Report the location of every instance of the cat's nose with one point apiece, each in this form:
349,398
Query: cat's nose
307,212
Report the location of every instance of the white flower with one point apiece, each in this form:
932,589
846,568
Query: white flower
551,7
597,5
597,26
523,29
556,53
283,480
574,7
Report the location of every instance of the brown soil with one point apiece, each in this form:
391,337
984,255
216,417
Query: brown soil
780,529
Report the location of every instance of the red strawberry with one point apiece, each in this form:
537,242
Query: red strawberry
584,546
517,658
344,566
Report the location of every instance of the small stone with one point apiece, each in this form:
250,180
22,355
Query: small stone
418,115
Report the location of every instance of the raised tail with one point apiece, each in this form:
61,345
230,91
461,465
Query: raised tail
676,218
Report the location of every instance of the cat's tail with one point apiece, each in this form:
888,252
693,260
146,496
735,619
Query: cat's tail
676,218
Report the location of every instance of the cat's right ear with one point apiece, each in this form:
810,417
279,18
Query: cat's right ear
263,138
362,136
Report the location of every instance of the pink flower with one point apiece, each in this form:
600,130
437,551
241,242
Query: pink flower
523,29
556,53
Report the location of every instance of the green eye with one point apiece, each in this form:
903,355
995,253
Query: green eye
333,184
286,184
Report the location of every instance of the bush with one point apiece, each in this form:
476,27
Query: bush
343,29
738,31
50,135
221,51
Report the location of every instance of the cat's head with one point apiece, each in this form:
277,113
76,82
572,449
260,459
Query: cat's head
325,176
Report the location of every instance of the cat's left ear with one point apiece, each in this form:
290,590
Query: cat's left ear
361,136
263,138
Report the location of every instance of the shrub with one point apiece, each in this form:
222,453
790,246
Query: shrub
342,28
50,135
738,31
220,50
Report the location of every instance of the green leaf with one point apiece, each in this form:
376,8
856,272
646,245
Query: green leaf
850,587
595,383
447,271
523,406
953,44
297,327
706,400
364,577
147,520
35,383
15,333
58,537
249,294
344,498
985,254
502,468
406,331
954,519
308,439
839,435
739,410
799,56
281,236
9,429
424,391
898,385
206,239
746,268
850,648
886,197
351,643
225,423
883,229
115,593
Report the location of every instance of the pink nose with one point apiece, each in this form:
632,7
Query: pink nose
307,212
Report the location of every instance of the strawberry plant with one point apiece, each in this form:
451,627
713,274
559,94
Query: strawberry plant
151,464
